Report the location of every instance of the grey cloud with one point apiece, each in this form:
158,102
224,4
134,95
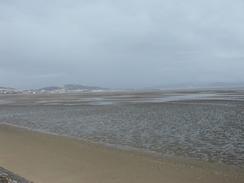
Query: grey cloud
121,43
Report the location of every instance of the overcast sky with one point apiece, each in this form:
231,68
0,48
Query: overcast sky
115,43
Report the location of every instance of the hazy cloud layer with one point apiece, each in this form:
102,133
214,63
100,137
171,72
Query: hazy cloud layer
130,43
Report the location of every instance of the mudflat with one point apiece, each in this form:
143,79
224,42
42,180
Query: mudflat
45,158
205,125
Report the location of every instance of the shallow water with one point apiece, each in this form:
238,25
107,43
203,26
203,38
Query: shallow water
211,130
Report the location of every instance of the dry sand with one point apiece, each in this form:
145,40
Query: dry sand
46,158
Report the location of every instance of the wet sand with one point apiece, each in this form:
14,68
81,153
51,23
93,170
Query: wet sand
45,158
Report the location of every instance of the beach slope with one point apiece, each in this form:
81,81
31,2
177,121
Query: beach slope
44,158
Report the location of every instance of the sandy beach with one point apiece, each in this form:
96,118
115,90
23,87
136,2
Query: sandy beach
45,158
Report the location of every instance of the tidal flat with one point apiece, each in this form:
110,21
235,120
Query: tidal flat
206,125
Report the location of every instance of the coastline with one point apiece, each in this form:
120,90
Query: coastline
45,158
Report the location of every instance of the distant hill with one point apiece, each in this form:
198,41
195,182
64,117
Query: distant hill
50,88
8,90
68,88
81,87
